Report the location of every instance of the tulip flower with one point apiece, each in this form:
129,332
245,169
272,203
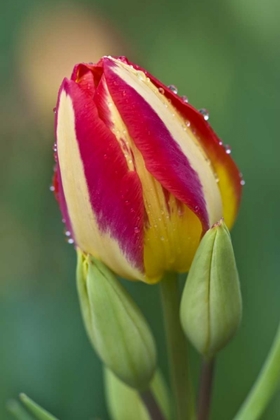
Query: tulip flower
140,174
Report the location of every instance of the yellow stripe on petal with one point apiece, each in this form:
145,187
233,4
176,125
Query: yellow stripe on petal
86,231
180,133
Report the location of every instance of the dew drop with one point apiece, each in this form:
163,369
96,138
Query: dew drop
67,233
136,229
63,220
204,113
54,110
242,181
161,90
52,189
188,124
220,143
162,238
173,89
55,147
70,241
105,156
227,149
185,99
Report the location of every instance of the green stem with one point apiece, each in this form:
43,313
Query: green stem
265,385
152,405
177,349
205,389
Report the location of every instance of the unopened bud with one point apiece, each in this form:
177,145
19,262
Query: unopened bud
211,306
116,327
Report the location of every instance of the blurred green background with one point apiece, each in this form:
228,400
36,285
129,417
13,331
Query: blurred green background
225,56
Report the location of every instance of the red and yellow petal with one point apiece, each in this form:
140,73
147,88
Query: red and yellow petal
104,199
226,171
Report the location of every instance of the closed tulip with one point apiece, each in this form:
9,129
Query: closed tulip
140,174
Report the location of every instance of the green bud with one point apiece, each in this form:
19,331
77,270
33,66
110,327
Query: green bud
211,306
125,403
116,327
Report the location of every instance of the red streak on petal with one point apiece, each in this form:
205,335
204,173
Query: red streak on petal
115,193
162,155
203,132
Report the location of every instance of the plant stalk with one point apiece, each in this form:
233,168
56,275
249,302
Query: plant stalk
152,405
265,385
205,389
177,349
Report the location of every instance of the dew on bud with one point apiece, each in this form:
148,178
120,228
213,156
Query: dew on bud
161,90
187,122
242,181
70,241
227,149
136,229
67,233
204,113
52,189
185,99
173,89
54,110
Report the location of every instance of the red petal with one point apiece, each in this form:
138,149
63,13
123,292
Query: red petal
114,192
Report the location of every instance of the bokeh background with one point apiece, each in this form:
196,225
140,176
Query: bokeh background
225,56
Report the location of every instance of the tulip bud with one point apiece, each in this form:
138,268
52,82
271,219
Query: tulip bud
140,175
211,305
115,325
125,403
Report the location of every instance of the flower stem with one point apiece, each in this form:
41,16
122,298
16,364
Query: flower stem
152,405
177,349
205,389
265,385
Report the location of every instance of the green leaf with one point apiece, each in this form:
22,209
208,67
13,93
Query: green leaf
35,409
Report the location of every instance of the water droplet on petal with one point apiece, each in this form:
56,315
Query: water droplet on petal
185,99
173,89
227,149
188,124
55,147
136,229
161,90
242,181
70,241
204,113
67,233
220,143
52,189
54,110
